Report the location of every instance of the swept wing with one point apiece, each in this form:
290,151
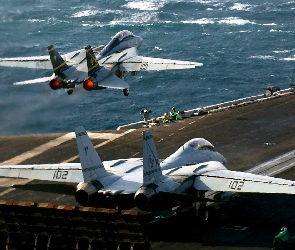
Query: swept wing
141,63
65,172
233,181
213,176
34,62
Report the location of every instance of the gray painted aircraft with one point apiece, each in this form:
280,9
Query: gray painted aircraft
98,68
184,176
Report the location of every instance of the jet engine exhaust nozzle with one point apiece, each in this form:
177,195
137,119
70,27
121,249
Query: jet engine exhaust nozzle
145,198
84,192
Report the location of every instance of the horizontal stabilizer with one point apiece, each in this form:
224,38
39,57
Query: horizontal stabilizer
37,80
113,82
34,62
233,181
138,63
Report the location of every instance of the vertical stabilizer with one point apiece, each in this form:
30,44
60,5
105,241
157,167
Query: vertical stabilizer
151,164
92,63
92,166
58,63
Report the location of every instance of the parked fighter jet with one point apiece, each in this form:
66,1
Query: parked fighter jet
148,181
106,66
121,177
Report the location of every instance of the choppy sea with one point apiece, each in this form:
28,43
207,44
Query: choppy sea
244,45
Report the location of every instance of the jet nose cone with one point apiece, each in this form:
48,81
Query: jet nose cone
138,41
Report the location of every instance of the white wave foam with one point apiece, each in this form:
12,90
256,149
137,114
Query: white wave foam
283,51
288,59
240,6
269,24
263,57
121,22
229,20
143,17
281,31
200,21
144,5
96,24
36,20
85,13
235,21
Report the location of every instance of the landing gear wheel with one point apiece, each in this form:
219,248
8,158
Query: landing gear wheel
210,217
203,214
70,91
126,92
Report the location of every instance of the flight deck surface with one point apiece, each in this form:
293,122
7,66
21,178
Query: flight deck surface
247,136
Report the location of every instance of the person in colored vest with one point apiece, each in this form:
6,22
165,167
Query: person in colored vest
165,118
174,115
283,239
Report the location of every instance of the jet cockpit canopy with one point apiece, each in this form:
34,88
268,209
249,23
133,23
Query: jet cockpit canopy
122,40
199,144
194,151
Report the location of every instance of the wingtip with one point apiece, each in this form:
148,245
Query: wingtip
32,81
198,64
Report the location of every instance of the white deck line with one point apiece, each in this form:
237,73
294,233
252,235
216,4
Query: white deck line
39,150
103,143
9,182
53,143
263,168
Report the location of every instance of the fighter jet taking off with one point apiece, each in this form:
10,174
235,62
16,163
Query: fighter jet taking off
98,68
183,177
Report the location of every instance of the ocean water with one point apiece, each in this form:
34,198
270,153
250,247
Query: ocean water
244,46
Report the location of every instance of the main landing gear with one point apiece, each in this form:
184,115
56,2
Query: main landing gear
126,92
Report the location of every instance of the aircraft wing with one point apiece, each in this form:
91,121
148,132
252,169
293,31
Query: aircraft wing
65,172
42,62
33,81
233,181
34,62
138,63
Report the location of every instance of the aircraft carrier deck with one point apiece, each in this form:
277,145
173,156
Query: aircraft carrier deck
248,134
